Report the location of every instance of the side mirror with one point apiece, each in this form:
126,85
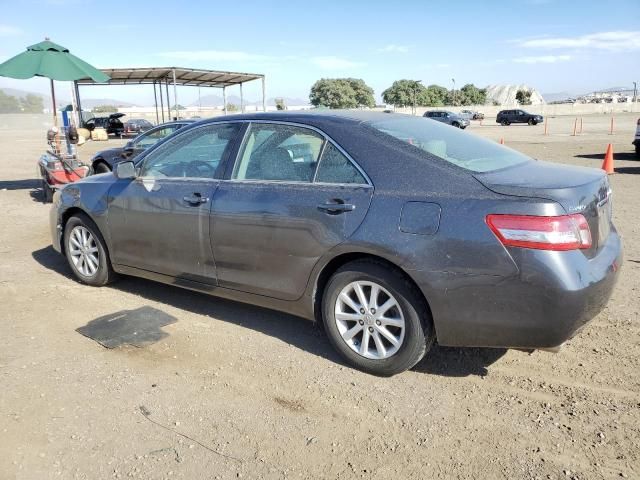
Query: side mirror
124,170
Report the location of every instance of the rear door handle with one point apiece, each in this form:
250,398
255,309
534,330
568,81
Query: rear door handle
195,199
336,207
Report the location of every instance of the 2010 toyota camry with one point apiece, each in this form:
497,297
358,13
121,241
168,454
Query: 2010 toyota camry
393,231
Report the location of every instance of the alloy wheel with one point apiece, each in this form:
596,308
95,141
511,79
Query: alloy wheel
370,320
83,250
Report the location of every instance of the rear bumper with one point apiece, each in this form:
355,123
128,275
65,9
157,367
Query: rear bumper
551,298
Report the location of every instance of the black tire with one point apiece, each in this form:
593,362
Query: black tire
419,333
504,123
531,122
455,124
47,192
101,167
638,151
104,273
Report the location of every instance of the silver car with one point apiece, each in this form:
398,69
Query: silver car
447,117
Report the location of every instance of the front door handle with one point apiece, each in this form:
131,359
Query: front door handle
335,207
195,199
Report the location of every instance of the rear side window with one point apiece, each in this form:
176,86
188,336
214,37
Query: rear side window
450,144
278,152
337,168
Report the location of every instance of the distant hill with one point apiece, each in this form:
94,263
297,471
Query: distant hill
63,100
217,101
506,94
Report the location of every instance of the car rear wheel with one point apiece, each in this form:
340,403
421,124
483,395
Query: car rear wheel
504,123
86,252
375,318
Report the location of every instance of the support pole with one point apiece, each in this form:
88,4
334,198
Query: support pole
76,89
224,99
161,102
575,127
546,125
264,100
166,86
241,99
53,99
175,94
611,129
155,100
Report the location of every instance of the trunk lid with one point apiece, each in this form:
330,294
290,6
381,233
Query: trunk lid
577,189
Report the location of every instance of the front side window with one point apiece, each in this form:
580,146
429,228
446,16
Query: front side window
146,140
195,154
451,144
278,152
337,168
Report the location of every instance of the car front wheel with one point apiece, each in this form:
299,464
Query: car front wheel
86,251
101,167
376,319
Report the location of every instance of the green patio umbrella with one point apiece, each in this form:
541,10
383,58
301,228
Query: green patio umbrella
47,59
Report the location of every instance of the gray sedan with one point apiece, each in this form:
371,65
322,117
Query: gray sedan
391,230
447,117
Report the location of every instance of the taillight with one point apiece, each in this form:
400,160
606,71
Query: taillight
564,232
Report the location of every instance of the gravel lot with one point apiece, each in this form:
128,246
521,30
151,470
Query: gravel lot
237,391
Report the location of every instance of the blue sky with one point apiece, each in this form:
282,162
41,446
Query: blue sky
552,45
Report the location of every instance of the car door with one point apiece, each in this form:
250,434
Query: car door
279,213
159,221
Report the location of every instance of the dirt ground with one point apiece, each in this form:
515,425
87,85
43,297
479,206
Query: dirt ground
236,391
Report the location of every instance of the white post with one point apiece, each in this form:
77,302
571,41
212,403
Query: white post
224,99
241,99
175,93
264,100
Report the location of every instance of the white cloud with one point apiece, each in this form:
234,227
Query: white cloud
335,63
543,59
9,30
618,41
393,48
216,56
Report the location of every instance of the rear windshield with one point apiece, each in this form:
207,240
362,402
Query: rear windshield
449,143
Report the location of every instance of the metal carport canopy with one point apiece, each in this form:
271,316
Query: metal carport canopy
190,77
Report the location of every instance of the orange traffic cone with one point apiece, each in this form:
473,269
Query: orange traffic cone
502,141
607,165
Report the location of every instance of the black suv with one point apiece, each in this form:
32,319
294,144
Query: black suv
111,124
507,117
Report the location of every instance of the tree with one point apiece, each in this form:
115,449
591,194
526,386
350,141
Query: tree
31,104
232,107
436,96
523,97
104,109
405,93
8,103
341,93
472,95
179,107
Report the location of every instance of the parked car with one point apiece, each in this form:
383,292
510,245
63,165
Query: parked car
111,124
103,161
507,117
449,118
136,126
471,115
392,230
636,141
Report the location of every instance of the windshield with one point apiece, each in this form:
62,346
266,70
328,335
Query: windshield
451,144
